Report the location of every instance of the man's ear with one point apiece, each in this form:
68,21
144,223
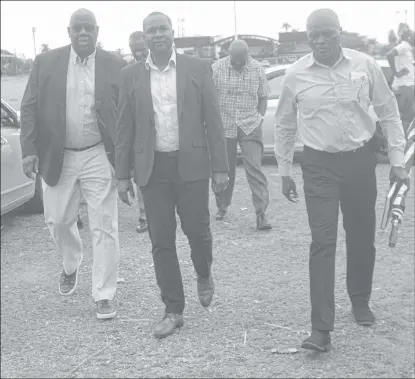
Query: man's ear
97,30
69,31
172,32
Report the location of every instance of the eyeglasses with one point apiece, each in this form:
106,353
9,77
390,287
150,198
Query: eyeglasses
77,28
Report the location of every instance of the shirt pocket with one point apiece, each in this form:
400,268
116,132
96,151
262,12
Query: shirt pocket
355,90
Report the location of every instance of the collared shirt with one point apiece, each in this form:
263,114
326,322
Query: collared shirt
164,95
239,94
333,108
404,60
81,123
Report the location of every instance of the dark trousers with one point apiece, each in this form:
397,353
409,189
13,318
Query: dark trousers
406,103
164,193
252,149
348,179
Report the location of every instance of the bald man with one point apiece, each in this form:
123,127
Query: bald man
68,119
329,91
243,91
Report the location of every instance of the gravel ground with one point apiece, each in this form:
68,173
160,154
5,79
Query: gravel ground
260,310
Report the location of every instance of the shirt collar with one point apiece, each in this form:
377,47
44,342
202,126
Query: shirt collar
247,67
75,59
172,61
343,54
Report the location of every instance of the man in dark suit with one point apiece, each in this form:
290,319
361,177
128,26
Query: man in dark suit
68,120
169,120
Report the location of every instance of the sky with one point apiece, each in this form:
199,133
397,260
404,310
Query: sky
118,19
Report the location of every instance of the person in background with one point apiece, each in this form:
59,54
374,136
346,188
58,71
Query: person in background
331,90
243,94
169,125
400,60
68,121
139,50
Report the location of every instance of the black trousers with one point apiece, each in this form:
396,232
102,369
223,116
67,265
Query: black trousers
348,179
164,193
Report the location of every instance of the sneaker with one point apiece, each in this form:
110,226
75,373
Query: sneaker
221,214
68,283
105,309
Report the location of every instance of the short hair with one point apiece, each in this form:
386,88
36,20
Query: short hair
158,14
137,36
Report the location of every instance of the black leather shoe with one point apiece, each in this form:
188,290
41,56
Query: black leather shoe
318,341
221,214
205,290
80,223
262,223
142,226
168,325
363,315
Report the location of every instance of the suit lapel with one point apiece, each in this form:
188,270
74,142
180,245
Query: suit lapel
144,93
61,74
99,80
181,77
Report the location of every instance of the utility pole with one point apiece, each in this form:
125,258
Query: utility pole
234,15
34,40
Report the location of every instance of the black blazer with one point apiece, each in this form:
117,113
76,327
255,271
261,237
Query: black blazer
43,109
202,144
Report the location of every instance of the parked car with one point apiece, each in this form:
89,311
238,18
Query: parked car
16,188
275,76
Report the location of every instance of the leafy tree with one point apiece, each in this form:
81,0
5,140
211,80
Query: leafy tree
286,26
99,45
44,48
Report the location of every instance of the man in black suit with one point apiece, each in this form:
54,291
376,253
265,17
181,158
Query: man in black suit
68,119
169,120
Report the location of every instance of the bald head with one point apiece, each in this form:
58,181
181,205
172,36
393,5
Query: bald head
323,32
239,54
323,17
83,15
83,32
138,46
238,46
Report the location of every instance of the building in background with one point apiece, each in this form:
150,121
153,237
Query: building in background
292,46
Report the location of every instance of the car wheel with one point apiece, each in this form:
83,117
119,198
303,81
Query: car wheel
35,204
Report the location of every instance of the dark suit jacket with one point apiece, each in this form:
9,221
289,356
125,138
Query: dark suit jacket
202,144
43,109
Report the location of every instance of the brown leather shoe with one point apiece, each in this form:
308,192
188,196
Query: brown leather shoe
168,325
318,341
205,290
262,223
363,315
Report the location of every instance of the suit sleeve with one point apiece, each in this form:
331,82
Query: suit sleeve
125,136
28,113
213,122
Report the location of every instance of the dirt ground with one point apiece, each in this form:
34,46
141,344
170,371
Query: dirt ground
260,310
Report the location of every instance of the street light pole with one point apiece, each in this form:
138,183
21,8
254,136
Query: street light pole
234,15
34,40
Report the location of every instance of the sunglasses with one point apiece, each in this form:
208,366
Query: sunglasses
77,28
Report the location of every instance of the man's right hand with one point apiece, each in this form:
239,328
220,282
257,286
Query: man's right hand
125,187
30,166
289,189
402,72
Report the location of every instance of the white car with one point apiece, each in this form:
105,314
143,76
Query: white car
16,188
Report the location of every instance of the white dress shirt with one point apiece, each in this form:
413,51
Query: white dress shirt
81,123
164,95
333,108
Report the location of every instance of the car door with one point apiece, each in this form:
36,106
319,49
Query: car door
16,188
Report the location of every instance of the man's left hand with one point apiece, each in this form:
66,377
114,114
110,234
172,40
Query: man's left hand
220,181
399,174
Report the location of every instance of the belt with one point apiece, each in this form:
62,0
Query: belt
82,148
366,144
167,154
